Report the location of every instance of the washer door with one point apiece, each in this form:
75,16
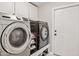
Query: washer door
15,38
44,33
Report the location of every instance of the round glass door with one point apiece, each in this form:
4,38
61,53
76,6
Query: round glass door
44,33
17,37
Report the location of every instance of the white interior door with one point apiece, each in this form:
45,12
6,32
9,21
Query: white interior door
67,30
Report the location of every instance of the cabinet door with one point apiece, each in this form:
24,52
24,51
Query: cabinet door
67,30
21,9
33,12
7,7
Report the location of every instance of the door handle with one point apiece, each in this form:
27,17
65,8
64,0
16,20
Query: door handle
55,34
55,30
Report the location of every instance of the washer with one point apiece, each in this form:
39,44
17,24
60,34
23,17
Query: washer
43,34
14,37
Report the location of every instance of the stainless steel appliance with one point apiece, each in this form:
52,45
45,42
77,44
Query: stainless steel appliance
34,25
14,37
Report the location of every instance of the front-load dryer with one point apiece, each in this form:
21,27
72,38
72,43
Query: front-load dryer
34,26
14,37
43,34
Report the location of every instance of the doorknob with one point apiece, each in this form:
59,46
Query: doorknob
55,30
55,34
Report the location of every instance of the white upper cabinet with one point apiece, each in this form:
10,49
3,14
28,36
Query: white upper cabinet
33,12
21,9
7,7
27,10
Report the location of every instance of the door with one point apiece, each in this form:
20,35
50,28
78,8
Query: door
67,31
44,34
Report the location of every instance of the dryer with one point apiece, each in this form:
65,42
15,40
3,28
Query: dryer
35,36
14,37
43,34
41,31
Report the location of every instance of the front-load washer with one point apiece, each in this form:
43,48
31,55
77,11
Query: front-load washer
43,34
14,37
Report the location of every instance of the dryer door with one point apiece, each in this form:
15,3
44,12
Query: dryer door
44,32
15,38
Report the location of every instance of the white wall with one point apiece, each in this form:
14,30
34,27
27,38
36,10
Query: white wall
45,13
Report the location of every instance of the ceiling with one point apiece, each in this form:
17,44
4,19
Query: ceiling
39,3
